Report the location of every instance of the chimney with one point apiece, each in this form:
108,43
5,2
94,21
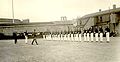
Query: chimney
63,18
114,6
100,10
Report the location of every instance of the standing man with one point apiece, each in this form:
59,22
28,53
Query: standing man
96,33
107,33
80,35
34,37
88,35
91,31
15,36
26,36
85,35
101,33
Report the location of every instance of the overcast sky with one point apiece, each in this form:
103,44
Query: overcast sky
52,10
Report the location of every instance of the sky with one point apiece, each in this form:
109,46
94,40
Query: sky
52,10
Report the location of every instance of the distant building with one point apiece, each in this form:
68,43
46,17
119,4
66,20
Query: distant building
7,20
25,21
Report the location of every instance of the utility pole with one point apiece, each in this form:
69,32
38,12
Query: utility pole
13,11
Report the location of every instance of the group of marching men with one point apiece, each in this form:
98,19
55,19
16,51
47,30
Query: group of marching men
88,35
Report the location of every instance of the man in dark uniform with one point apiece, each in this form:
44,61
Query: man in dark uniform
15,36
34,39
107,33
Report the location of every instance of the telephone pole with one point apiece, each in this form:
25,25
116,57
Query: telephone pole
13,11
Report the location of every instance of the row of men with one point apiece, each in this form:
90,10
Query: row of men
88,35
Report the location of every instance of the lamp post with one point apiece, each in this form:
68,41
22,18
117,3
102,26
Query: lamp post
13,11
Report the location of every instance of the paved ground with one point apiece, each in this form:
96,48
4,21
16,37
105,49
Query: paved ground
60,51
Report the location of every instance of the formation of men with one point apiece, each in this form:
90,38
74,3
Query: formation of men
92,34
88,35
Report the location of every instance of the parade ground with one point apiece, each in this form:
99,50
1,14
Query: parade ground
60,51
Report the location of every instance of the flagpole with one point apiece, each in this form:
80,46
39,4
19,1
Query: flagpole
13,11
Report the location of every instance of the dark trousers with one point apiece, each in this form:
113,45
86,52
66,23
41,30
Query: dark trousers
15,40
35,41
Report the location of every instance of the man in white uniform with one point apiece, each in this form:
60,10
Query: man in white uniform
26,36
79,35
96,33
91,35
107,34
88,35
84,35
101,34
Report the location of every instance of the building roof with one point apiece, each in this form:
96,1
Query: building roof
102,13
8,20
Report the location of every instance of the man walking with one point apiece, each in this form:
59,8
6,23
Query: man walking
15,36
34,37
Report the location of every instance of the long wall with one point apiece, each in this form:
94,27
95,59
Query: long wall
20,28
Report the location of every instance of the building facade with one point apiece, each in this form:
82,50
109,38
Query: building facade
110,18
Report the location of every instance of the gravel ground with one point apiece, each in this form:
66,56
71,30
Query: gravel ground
60,51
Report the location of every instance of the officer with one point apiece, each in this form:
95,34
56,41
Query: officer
107,33
96,33
34,39
101,33
15,36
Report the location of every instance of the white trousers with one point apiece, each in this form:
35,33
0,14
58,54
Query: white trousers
65,37
84,36
76,37
72,38
62,37
87,36
47,37
43,36
79,37
91,36
101,36
58,37
52,37
26,39
55,37
107,36
96,36
68,37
